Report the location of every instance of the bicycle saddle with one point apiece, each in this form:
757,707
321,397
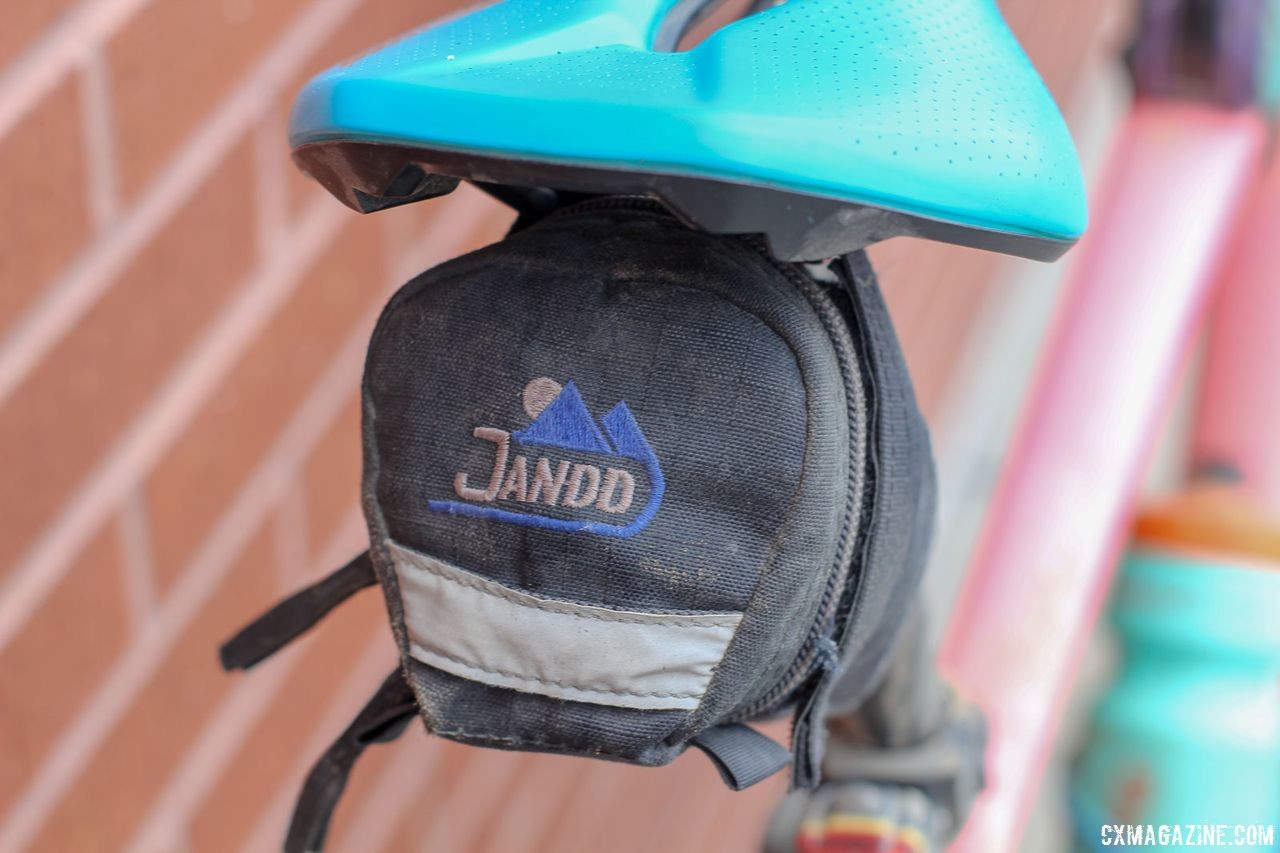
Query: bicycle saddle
825,125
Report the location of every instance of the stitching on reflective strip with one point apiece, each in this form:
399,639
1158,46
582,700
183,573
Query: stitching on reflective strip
674,620
508,638
417,647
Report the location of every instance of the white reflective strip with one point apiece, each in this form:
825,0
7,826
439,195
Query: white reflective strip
475,628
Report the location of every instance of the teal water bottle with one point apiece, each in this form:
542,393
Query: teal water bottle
1187,739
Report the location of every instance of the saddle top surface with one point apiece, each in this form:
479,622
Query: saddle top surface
869,118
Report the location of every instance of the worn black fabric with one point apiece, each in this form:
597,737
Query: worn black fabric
897,526
761,392
733,435
733,374
704,341
495,717
899,529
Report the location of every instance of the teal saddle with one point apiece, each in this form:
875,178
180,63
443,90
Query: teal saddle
825,125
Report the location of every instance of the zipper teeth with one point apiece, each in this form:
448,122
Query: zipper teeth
828,313
807,658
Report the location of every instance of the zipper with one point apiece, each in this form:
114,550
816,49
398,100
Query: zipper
818,654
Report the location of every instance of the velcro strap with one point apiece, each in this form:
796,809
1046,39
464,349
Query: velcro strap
383,719
742,755
283,623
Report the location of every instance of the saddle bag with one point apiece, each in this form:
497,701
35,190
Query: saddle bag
629,487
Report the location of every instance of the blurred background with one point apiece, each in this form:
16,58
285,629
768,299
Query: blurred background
182,324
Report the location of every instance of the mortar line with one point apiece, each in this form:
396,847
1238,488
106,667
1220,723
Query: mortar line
62,303
79,744
206,760
43,564
261,490
134,528
98,136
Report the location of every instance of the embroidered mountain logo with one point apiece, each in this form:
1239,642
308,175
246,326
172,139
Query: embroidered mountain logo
563,471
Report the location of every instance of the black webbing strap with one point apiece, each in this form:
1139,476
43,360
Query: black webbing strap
265,635
742,755
383,719
809,736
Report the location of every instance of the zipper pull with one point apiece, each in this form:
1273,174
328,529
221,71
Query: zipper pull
809,732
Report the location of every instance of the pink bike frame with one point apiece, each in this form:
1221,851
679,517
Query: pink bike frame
1239,411
1172,190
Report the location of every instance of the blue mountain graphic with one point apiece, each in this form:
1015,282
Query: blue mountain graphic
567,423
621,427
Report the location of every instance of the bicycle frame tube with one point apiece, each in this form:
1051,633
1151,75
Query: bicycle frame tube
1172,188
1239,409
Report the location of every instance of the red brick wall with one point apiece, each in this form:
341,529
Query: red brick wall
182,322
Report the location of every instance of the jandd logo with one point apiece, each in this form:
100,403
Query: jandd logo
563,471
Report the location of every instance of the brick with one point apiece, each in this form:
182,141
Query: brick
126,774
743,817
24,21
584,807
49,669
72,406
331,477
647,798
527,816
481,785
201,473
1057,37
699,794
934,291
173,63
44,217
372,25
277,170
448,759
264,762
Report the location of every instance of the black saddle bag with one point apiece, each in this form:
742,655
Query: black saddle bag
629,487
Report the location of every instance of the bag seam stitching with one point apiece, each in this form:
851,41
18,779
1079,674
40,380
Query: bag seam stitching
667,621
415,646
